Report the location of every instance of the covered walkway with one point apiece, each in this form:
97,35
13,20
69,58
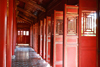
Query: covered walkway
27,57
44,33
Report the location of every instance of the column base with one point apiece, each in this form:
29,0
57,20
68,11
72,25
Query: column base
13,57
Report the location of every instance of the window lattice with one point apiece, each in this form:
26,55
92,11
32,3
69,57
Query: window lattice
59,27
88,23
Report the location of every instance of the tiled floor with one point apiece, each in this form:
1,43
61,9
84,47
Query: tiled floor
27,57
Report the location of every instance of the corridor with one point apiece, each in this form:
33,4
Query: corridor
49,33
27,57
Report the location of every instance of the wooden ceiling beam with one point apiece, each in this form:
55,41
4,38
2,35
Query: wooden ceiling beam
25,17
24,11
21,19
32,3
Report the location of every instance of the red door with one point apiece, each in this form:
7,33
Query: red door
58,39
98,30
23,36
71,36
48,38
87,33
20,37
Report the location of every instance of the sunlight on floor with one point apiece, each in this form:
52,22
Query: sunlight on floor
27,57
23,44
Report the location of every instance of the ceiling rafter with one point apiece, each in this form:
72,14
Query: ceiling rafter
27,12
23,16
32,3
22,19
19,19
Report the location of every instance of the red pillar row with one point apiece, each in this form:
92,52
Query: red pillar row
6,28
3,24
9,34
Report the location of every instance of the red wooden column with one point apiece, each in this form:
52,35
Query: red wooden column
41,25
35,39
48,38
46,46
34,32
35,44
43,42
3,24
31,36
14,29
9,34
